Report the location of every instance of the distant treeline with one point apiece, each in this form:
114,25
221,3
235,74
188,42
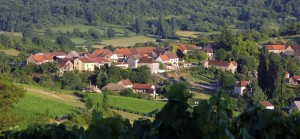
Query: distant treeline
198,15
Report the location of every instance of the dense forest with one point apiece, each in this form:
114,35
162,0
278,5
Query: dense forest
199,15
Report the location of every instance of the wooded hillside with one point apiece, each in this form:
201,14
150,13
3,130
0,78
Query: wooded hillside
200,15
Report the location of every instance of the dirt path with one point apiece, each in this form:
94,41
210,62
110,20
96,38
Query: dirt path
69,99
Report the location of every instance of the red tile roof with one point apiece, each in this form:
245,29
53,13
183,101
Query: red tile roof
42,57
62,62
134,51
186,47
171,55
164,57
276,47
101,52
85,60
142,86
146,59
296,77
126,82
221,63
101,60
242,84
266,103
91,57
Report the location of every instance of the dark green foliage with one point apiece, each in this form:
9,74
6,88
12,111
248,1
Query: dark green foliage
65,41
71,81
221,54
9,94
227,80
111,33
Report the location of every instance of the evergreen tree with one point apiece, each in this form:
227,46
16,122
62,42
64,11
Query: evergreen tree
139,25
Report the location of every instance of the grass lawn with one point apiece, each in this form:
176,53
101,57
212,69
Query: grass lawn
124,42
34,105
130,104
12,52
17,34
64,29
187,34
202,93
78,40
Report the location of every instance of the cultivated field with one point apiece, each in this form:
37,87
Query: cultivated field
187,34
130,104
35,106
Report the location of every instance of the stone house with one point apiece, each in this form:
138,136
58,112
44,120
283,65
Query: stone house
280,49
240,87
126,83
84,64
267,105
133,61
39,59
222,65
151,63
145,88
168,58
66,64
114,87
294,80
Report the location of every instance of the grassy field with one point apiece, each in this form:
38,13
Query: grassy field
131,104
202,93
35,105
125,41
17,34
12,52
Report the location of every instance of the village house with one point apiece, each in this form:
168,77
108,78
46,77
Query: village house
114,87
113,57
209,52
133,61
222,65
91,88
158,51
74,54
184,48
295,105
101,52
145,88
56,55
66,64
240,87
126,83
294,80
267,105
84,64
168,58
39,58
127,52
152,64
99,61
286,75
284,49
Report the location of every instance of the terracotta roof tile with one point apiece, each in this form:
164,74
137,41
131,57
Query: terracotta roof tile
142,86
276,47
171,55
42,57
91,57
242,84
146,59
164,57
85,60
266,103
126,82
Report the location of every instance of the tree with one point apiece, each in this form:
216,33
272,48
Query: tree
139,25
246,64
227,80
111,33
221,54
102,79
173,26
127,92
9,95
201,56
253,94
105,105
63,40
226,39
94,33
71,80
49,32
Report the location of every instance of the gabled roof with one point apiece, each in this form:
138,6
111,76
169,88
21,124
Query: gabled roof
142,86
242,84
101,52
101,60
85,60
186,47
221,63
207,50
42,57
127,52
276,47
91,57
136,57
62,62
125,82
114,87
296,48
171,55
146,59
75,54
110,54
266,103
164,57
296,77
159,50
